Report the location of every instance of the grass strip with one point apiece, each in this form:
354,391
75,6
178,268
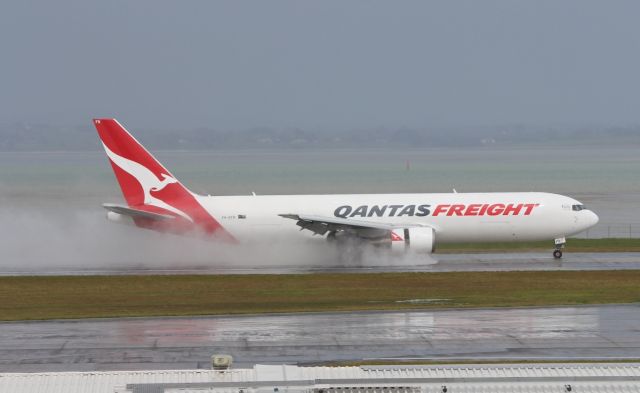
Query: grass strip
28,298
573,245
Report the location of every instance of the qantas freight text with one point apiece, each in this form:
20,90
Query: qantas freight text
473,209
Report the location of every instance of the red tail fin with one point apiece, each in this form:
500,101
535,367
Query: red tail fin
147,185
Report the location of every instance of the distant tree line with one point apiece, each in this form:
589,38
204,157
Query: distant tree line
42,137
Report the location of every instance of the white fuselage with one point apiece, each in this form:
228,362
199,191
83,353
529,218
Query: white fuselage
455,217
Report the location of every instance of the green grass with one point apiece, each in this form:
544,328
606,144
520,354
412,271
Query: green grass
25,298
573,245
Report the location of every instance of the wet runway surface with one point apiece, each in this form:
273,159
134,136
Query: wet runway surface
434,263
538,261
562,333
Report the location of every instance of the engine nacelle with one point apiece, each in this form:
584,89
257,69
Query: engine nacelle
414,239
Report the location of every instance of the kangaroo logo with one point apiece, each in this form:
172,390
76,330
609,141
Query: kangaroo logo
148,181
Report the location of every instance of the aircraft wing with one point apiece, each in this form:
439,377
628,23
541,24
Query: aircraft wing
320,225
135,213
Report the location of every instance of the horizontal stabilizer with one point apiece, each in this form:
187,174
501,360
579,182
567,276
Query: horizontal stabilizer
135,213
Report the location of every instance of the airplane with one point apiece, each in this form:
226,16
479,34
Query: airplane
401,223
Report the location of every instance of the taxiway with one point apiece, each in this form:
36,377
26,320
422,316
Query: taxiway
420,263
559,333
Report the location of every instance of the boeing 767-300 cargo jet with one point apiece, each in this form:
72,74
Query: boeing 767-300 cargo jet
399,222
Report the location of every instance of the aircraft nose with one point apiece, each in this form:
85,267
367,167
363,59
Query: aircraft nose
591,219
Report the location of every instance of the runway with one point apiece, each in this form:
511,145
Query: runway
538,261
434,263
560,333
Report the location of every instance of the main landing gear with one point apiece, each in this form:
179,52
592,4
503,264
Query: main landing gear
560,242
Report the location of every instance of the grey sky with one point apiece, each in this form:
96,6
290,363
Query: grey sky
338,64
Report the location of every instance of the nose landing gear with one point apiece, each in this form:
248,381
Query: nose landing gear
560,242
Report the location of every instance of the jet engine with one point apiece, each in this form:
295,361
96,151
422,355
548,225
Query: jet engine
414,239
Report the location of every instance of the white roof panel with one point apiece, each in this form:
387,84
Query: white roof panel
263,378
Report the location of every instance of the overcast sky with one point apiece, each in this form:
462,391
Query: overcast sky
321,64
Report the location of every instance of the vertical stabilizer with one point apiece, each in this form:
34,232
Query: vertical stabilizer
149,186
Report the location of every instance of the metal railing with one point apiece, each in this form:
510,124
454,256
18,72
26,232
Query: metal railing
626,231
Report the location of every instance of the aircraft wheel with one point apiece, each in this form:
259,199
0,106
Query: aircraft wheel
557,254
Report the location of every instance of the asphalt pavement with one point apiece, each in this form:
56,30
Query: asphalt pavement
557,333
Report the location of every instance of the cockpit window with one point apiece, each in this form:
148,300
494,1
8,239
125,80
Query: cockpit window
577,208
